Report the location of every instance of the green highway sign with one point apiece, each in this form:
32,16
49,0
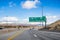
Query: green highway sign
44,19
37,19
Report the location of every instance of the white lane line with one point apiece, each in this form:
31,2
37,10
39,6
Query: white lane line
35,35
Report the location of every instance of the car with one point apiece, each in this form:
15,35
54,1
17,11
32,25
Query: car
1,28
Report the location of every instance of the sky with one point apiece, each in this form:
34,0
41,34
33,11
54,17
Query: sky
19,11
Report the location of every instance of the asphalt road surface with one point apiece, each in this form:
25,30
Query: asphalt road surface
34,35
38,35
6,36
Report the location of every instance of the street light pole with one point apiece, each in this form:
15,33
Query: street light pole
42,13
6,22
42,16
42,10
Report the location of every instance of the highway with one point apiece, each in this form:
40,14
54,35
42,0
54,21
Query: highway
6,36
31,35
38,35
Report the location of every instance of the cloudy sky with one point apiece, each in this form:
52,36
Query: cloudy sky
20,10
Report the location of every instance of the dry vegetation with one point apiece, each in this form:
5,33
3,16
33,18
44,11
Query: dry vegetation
55,25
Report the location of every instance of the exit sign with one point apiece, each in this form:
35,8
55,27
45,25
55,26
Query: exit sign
37,19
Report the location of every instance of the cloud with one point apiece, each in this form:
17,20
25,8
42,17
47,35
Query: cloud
29,4
23,20
5,22
51,19
11,4
9,19
26,21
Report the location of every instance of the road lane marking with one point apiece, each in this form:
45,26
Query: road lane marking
35,35
16,34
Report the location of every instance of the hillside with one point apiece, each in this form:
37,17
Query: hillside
55,25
